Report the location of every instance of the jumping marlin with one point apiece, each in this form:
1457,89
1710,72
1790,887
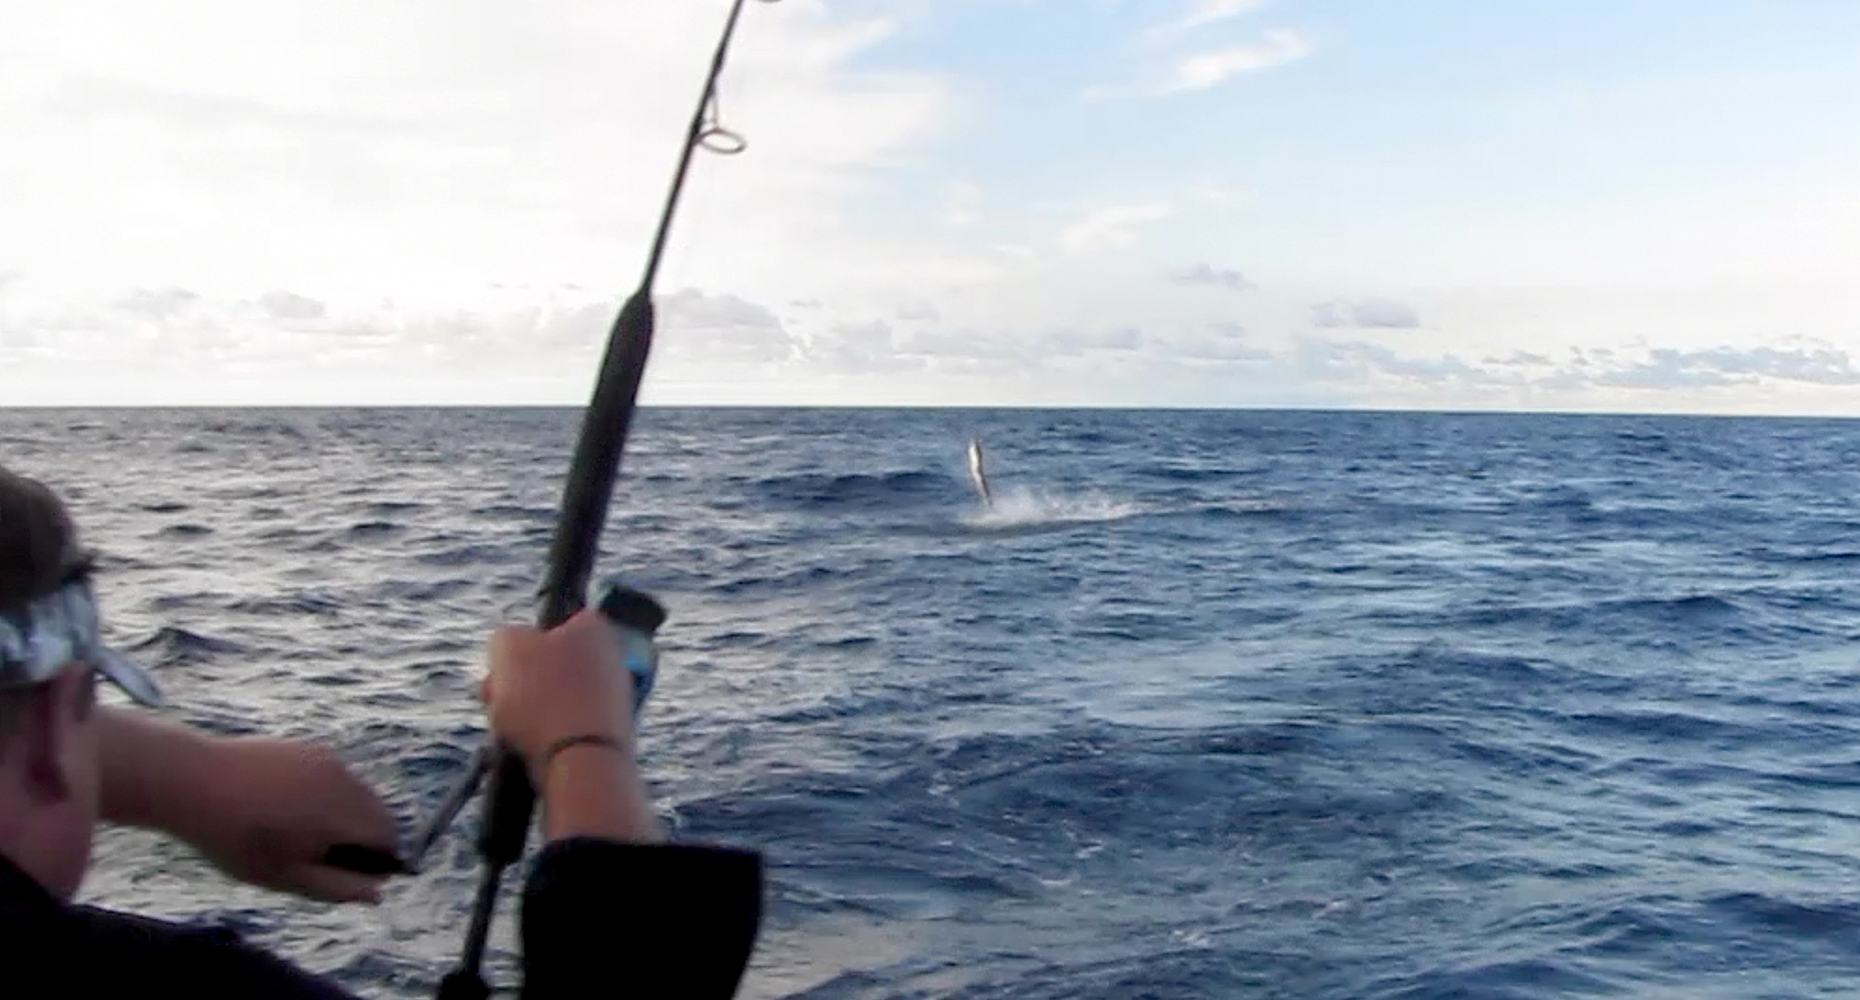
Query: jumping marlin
977,473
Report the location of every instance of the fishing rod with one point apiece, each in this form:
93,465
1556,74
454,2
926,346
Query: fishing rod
510,799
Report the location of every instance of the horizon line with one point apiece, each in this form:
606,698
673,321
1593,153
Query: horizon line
933,407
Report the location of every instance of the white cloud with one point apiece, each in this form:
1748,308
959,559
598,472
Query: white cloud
720,328
350,149
285,305
1207,274
1219,350
1111,226
868,348
1520,359
1383,313
1665,368
1203,70
1205,12
159,304
1072,343
1215,193
963,207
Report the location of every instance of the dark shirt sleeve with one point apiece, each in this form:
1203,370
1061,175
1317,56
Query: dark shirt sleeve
599,919
607,919
116,954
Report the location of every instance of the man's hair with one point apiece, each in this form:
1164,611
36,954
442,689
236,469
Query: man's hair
38,554
38,543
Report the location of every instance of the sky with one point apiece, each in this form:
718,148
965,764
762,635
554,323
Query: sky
1579,205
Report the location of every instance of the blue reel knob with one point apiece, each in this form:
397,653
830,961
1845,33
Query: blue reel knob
638,617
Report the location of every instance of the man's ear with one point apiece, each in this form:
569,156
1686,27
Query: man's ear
47,730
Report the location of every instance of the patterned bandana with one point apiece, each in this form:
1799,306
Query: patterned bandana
37,642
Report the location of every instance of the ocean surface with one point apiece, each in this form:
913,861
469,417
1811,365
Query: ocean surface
1211,704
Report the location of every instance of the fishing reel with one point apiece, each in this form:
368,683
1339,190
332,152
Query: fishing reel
637,616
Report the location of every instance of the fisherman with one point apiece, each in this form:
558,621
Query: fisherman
609,906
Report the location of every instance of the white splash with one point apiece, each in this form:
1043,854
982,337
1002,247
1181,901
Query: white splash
1024,508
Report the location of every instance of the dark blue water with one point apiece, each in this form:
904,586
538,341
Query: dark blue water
1246,704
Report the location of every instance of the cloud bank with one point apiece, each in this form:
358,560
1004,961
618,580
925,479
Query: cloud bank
722,347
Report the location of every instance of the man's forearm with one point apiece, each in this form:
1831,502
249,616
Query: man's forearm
597,792
151,771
